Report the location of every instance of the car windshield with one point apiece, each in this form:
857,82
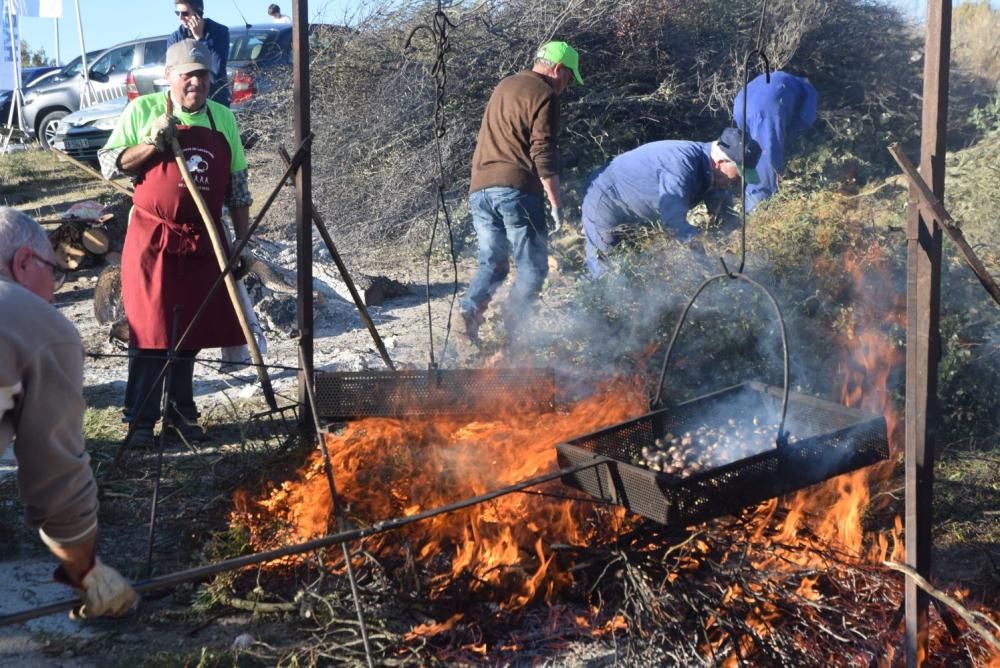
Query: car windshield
261,46
75,66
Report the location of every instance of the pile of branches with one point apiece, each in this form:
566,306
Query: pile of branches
653,69
729,591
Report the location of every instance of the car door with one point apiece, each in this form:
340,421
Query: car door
107,74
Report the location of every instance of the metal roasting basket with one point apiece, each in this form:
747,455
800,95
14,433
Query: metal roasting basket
434,392
830,439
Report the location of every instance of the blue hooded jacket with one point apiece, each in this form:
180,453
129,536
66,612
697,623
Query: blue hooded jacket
777,113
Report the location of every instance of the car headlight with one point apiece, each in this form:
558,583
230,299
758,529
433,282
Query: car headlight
62,128
106,123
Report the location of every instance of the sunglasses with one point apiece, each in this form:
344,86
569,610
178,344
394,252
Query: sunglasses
183,14
58,275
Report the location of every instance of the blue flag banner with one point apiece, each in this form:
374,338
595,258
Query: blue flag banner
10,48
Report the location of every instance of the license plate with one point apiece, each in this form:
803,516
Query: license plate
76,143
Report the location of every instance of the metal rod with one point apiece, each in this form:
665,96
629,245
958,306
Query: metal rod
166,421
93,172
335,502
202,572
923,337
345,274
224,263
944,219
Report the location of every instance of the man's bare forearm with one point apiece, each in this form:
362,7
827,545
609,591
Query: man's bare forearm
551,186
241,221
134,157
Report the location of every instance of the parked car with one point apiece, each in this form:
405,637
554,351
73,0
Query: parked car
83,132
254,54
29,75
51,100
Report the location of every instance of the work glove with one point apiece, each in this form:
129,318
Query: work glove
102,589
557,218
162,133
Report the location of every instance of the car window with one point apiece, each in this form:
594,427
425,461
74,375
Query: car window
116,61
258,46
154,53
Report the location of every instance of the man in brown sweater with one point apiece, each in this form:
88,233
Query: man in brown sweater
41,411
515,165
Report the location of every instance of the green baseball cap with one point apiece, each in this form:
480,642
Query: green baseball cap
561,53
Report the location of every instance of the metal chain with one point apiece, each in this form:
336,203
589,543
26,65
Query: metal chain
438,30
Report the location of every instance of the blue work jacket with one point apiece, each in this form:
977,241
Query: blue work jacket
777,113
661,181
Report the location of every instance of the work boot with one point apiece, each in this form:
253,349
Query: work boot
468,325
140,438
190,431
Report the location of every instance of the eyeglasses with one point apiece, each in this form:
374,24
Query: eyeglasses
184,14
58,275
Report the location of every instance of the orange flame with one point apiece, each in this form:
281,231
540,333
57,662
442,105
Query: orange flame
388,468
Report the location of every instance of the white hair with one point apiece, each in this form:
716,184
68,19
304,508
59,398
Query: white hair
18,230
718,153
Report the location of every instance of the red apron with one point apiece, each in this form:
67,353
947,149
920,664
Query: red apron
168,259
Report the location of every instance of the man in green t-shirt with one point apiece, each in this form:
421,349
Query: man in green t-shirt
168,263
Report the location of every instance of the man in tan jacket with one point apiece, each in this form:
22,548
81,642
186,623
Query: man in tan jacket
515,166
41,412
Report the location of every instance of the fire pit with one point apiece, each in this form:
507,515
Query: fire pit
826,439
347,395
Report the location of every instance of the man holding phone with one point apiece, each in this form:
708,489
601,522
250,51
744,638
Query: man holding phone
194,25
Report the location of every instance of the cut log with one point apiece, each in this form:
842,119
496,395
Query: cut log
96,241
108,306
73,256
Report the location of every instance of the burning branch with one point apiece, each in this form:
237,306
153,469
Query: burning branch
962,611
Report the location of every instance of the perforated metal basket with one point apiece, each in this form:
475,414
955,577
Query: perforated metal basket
831,439
459,392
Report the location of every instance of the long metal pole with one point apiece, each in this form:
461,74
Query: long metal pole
923,313
202,572
303,200
83,58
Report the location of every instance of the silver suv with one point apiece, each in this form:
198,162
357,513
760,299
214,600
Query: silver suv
58,95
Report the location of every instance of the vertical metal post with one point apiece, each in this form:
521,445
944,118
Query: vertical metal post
923,311
303,201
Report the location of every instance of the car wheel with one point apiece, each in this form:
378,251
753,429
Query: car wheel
47,128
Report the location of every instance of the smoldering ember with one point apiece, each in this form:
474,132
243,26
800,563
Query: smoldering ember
774,443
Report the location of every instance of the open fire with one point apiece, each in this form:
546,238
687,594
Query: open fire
802,568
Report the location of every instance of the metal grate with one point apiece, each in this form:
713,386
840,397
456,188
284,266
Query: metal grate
831,439
346,395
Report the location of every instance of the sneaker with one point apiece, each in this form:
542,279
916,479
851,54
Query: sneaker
468,325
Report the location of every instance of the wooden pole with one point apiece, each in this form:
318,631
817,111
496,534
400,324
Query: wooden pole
93,172
923,313
303,201
220,255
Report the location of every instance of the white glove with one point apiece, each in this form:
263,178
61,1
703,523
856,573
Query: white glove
162,133
104,592
557,218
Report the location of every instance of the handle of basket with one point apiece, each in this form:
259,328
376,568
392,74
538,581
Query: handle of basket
782,438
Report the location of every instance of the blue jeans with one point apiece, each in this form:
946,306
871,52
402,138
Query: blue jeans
508,223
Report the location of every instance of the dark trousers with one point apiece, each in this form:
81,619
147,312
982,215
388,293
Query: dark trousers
145,388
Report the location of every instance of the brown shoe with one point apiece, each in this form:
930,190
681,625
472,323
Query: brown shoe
468,325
